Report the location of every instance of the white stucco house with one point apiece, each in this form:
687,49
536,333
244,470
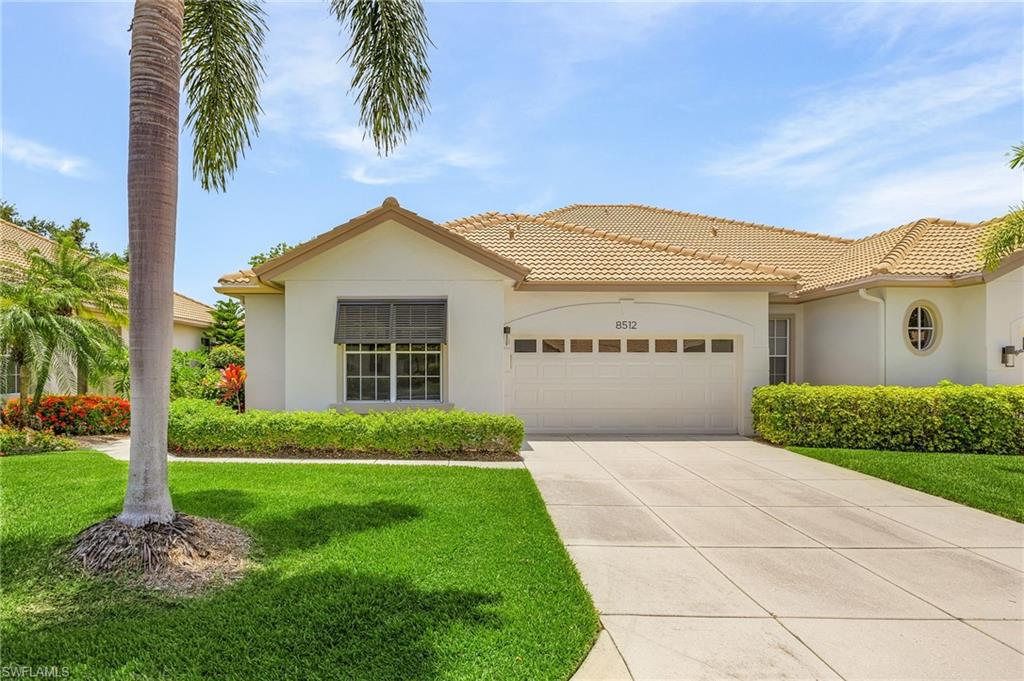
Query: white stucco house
617,318
191,317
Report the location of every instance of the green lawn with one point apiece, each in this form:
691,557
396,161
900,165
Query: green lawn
366,572
991,483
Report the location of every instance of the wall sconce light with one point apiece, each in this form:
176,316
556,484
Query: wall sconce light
508,334
1010,354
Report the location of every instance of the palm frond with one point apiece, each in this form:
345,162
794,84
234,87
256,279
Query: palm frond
1005,238
222,67
1017,156
390,75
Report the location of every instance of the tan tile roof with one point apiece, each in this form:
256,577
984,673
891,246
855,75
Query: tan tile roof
929,247
802,252
555,250
14,238
636,244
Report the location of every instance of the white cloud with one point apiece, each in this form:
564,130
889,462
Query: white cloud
41,157
307,96
865,125
965,187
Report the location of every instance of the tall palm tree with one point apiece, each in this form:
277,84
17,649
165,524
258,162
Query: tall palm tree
216,47
57,307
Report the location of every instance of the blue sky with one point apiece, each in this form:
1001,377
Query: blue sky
842,118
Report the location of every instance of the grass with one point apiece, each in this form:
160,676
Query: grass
993,483
366,572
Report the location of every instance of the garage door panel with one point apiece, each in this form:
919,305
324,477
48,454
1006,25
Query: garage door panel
625,392
577,370
524,370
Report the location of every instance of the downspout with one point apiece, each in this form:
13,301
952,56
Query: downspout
863,293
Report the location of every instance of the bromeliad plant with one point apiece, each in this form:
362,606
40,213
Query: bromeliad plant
232,387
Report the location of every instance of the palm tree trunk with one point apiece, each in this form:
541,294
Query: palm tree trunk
82,374
24,376
152,213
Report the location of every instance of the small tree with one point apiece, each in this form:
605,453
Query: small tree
260,258
228,324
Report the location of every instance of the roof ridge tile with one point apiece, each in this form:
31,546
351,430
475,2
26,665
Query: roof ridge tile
899,251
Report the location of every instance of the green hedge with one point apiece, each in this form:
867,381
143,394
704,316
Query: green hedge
203,427
942,418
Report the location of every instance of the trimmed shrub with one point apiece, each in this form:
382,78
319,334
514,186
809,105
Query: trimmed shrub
942,418
17,441
198,426
191,377
75,414
223,355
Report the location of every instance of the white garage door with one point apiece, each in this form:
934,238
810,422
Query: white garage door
669,385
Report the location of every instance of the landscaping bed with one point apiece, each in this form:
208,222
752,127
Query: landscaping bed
993,483
361,572
202,428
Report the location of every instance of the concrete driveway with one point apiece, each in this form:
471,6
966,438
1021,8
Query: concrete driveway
727,558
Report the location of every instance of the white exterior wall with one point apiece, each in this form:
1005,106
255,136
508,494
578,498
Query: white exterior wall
187,337
741,316
840,341
393,261
1004,325
958,352
840,335
264,351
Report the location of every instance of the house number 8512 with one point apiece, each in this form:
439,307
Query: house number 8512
628,324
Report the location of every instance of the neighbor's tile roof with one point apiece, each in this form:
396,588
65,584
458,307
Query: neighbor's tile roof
555,250
14,239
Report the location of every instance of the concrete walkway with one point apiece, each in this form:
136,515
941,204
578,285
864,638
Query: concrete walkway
118,449
712,559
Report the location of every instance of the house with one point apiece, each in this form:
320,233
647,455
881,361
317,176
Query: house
617,318
191,317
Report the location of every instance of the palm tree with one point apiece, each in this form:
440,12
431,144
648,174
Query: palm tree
1008,235
216,48
86,287
57,307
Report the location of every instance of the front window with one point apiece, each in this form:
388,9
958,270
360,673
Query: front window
417,371
778,351
393,372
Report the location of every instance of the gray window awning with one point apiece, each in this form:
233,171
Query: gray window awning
391,321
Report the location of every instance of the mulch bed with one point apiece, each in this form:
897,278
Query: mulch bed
462,455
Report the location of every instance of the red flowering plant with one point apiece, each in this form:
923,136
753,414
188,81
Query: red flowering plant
75,414
232,387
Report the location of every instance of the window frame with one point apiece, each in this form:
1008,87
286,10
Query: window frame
788,356
936,327
392,353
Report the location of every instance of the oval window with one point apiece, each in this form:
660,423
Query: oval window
921,329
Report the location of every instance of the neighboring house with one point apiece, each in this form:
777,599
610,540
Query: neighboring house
191,317
617,318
